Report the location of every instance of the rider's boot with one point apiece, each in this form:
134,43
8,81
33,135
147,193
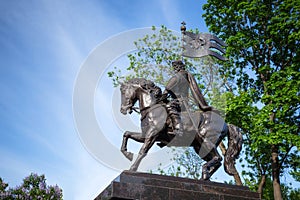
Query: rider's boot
177,124
174,110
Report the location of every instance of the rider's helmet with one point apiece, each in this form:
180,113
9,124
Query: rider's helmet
178,65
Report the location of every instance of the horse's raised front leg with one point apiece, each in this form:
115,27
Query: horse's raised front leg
154,123
148,143
133,135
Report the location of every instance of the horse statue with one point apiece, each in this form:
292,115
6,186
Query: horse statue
202,130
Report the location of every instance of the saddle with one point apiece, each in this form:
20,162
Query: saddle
190,121
196,124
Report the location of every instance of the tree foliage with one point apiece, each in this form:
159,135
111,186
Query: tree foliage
153,60
288,192
263,40
33,187
186,164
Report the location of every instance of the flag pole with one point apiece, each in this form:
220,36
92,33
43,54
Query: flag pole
183,29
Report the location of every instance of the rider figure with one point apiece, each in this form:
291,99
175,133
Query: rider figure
178,87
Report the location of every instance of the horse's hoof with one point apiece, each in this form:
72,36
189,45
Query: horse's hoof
129,156
205,176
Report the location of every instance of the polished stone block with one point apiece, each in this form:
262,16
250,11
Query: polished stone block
144,186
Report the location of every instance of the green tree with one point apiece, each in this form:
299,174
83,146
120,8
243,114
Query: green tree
294,194
153,57
33,187
263,51
186,163
288,193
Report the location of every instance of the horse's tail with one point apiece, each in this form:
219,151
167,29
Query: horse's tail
235,141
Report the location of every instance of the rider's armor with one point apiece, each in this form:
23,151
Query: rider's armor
178,87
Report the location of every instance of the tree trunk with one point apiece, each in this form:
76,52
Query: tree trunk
236,176
261,185
275,173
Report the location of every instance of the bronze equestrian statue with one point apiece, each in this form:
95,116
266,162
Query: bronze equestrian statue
173,123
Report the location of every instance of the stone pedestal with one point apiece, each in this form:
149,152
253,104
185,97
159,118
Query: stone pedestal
144,186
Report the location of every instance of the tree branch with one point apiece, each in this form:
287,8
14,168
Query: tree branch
285,156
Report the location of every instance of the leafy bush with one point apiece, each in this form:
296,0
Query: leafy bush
33,187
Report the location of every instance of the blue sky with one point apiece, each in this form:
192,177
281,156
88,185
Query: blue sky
43,45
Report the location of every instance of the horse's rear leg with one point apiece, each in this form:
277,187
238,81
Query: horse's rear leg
213,163
133,135
213,160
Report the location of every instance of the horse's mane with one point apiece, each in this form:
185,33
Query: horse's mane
138,81
146,84
141,81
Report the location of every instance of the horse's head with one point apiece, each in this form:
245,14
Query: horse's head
128,97
138,89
